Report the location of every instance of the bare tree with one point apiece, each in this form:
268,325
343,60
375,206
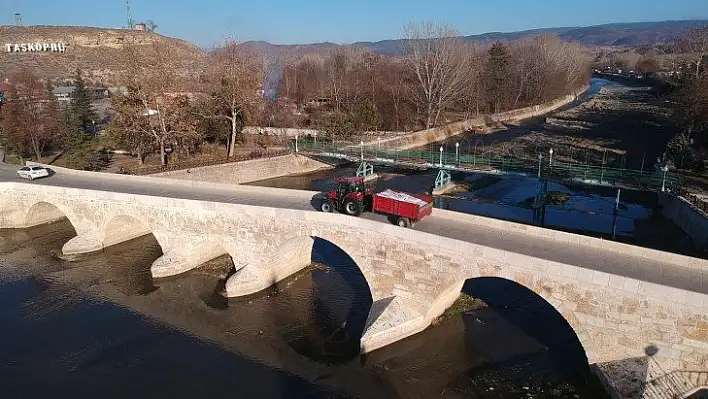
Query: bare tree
31,119
696,44
436,56
151,78
130,129
234,77
151,25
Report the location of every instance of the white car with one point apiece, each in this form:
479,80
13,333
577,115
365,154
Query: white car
33,172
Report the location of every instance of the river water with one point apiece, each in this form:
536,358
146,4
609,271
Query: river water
102,327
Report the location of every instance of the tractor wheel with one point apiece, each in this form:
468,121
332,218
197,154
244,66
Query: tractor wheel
353,207
404,222
326,206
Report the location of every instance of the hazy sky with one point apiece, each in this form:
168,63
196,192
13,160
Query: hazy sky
206,22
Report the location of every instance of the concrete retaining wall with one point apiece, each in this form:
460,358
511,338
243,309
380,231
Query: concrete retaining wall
247,171
292,132
689,218
436,134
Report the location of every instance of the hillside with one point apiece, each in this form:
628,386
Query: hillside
97,51
618,34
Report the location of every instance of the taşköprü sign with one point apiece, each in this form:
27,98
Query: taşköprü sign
35,47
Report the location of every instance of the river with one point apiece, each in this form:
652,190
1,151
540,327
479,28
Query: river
102,327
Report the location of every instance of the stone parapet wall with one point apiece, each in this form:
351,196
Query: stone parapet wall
247,171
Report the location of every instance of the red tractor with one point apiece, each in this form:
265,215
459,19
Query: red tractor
351,197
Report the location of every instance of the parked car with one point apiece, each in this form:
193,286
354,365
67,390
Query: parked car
33,172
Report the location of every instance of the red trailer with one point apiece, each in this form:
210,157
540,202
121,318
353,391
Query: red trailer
404,208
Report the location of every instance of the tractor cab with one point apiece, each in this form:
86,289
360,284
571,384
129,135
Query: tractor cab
350,196
350,185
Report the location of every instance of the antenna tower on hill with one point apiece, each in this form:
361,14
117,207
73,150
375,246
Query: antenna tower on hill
18,19
127,14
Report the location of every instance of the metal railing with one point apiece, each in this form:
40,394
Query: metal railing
676,385
549,168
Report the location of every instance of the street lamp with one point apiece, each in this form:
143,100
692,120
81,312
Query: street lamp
664,169
457,153
441,156
362,150
296,149
550,157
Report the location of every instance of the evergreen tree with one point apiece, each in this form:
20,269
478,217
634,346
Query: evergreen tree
80,107
497,75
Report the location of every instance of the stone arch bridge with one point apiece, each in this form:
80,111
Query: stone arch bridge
413,276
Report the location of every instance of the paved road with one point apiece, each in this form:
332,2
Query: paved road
609,262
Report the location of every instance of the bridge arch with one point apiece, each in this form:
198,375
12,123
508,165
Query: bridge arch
338,305
290,255
122,228
531,310
43,212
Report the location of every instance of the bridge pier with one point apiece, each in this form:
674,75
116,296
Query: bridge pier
289,259
366,170
82,244
181,260
443,182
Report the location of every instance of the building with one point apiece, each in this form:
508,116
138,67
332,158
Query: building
141,26
63,94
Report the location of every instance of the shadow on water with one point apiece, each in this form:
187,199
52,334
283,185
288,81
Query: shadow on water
340,301
533,315
520,345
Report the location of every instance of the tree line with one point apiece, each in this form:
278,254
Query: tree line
441,78
33,122
162,109
689,99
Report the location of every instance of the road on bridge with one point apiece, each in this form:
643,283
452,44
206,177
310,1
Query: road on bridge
521,243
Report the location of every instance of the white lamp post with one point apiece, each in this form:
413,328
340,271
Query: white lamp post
457,153
362,150
441,155
550,157
296,149
664,169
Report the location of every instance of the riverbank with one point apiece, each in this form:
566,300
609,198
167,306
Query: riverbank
619,126
442,133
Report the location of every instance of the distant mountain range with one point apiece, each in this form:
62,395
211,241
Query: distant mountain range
616,34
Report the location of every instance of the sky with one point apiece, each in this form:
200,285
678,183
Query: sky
209,22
